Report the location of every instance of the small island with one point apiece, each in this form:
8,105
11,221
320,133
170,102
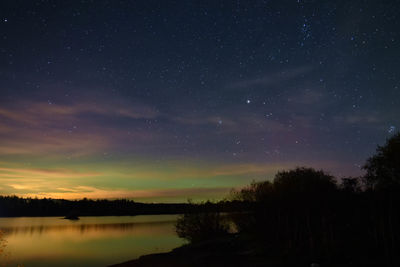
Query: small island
71,217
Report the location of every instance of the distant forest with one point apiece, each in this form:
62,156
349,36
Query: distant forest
13,206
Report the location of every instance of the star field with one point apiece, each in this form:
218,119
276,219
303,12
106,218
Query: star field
165,100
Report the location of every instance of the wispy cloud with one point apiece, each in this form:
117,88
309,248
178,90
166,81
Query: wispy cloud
35,142
39,128
234,122
274,78
41,113
308,97
6,172
359,118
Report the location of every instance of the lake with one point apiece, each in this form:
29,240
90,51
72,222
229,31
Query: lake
90,241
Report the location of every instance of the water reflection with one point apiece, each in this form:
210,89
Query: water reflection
91,241
140,227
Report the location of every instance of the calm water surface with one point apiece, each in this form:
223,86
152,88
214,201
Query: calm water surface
91,241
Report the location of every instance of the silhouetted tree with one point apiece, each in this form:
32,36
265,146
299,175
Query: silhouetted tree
351,185
383,194
306,181
383,168
256,191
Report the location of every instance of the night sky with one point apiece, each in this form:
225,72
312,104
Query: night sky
169,100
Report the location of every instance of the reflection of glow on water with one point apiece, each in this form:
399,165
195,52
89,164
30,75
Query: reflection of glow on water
2,245
4,253
141,227
95,241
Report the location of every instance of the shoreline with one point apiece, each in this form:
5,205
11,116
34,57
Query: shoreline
217,252
232,250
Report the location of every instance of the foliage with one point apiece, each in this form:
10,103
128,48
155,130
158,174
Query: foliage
306,181
256,191
351,185
304,215
201,226
383,168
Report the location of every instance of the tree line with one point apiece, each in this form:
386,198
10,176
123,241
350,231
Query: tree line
13,206
306,215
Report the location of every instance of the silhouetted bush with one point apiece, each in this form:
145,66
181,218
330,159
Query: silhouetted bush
196,227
